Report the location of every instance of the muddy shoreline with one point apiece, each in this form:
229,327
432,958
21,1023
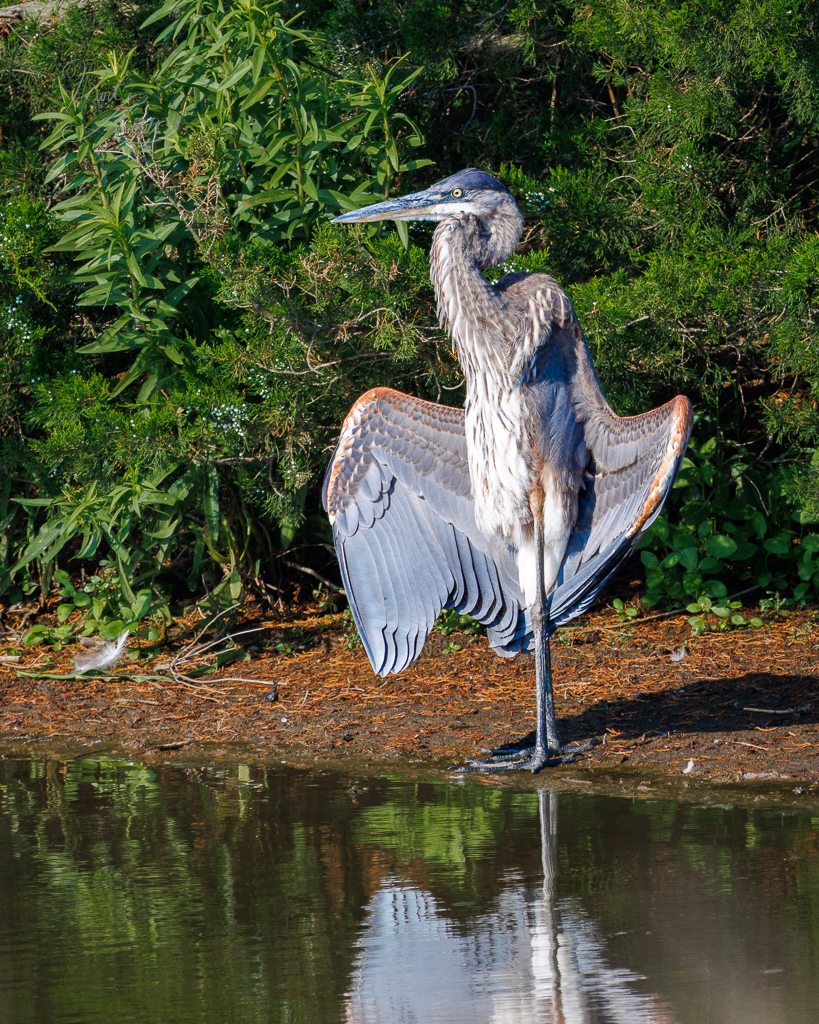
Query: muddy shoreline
733,713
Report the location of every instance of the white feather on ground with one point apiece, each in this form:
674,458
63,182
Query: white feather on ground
103,657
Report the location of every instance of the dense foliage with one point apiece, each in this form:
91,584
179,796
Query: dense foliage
183,331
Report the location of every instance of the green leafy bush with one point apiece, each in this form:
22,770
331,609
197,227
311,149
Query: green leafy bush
190,203
725,538
182,332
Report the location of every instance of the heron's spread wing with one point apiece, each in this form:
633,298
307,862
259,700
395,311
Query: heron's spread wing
632,460
635,461
398,494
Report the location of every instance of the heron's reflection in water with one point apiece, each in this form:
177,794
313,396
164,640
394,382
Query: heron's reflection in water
535,958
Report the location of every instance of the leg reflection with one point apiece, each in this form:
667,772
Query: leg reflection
527,953
574,979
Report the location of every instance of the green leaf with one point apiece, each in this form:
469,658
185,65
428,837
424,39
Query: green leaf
202,670
711,565
257,93
715,589
142,605
35,635
760,524
257,62
210,501
780,544
172,353
718,545
745,551
234,654
235,76
287,534
697,624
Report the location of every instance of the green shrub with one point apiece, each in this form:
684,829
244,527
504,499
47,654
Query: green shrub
183,332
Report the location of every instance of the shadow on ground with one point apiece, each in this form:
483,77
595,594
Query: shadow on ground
727,705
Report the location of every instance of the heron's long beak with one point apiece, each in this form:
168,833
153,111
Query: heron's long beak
418,206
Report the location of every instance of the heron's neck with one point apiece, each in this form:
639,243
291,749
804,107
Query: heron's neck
481,328
501,231
468,304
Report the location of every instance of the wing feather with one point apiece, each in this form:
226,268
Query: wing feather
632,460
397,491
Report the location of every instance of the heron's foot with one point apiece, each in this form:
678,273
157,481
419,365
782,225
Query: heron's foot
522,759
506,759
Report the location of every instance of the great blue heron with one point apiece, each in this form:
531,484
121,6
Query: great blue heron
517,510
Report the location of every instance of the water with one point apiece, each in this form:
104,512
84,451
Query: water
169,894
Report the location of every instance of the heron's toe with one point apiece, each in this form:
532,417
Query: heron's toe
506,759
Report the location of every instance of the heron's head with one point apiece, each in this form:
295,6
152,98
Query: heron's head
467,192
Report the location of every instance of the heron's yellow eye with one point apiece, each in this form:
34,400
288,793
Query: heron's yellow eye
457,192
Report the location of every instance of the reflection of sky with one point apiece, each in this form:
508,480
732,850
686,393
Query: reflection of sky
532,959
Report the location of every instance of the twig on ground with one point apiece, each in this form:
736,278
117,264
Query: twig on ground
194,650
314,574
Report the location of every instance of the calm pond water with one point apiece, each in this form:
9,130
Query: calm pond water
171,894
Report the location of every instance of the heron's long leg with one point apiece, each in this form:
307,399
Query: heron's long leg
547,745
546,741
547,748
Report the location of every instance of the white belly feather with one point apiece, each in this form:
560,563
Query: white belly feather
501,465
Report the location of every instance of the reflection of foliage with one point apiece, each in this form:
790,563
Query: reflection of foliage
452,833
152,892
143,896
